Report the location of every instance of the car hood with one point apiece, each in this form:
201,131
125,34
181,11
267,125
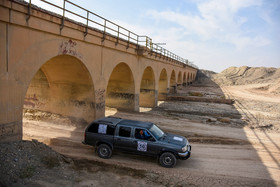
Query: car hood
174,139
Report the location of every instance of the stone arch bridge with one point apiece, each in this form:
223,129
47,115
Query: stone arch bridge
63,70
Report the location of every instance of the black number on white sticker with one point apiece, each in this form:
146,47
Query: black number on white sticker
142,146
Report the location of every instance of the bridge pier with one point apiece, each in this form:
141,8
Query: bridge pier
11,102
11,131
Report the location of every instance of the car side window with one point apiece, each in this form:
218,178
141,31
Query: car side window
143,134
111,130
102,129
93,128
124,131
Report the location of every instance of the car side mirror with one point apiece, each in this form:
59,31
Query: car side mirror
151,139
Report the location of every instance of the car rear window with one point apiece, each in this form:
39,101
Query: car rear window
102,129
124,131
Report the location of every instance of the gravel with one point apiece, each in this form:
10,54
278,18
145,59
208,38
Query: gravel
24,161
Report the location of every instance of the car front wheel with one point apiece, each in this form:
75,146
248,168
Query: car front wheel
167,160
104,151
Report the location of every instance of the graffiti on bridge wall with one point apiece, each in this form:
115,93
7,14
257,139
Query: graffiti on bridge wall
69,48
33,101
100,99
100,106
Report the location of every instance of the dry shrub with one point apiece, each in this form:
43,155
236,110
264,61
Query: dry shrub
197,94
51,161
224,120
27,172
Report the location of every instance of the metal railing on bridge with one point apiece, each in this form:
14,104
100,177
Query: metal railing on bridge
94,21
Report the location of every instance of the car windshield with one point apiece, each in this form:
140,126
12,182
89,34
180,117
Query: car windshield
157,132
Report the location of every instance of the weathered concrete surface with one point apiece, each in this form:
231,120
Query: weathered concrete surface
163,87
62,71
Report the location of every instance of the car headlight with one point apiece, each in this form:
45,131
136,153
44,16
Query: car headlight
184,149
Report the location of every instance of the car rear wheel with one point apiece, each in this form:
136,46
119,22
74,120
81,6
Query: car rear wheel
167,160
104,151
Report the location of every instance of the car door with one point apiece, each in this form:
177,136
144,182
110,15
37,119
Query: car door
145,144
122,139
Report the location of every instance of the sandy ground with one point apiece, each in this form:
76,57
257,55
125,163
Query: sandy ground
241,151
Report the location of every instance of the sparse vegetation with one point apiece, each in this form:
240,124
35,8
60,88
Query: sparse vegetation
50,161
27,172
224,120
197,94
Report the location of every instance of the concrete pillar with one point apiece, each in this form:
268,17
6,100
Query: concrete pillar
136,102
156,98
11,102
99,102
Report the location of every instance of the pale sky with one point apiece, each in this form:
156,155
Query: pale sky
213,34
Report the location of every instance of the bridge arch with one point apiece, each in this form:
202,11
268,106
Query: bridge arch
163,85
172,82
63,86
120,91
179,79
184,79
147,88
188,78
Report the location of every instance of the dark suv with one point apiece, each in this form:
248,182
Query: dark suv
136,137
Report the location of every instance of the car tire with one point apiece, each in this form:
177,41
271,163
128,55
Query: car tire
167,160
104,151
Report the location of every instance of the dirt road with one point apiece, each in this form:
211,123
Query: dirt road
221,155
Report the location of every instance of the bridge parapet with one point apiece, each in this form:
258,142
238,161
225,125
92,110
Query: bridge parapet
107,28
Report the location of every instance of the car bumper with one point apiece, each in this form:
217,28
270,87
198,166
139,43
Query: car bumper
186,154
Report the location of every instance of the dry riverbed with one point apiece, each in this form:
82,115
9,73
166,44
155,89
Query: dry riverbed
232,145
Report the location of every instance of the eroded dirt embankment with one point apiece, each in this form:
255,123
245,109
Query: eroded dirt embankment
254,90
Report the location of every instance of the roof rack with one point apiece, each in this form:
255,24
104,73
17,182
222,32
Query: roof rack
110,120
113,117
103,121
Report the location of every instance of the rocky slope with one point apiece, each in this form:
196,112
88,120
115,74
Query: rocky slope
267,78
247,75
